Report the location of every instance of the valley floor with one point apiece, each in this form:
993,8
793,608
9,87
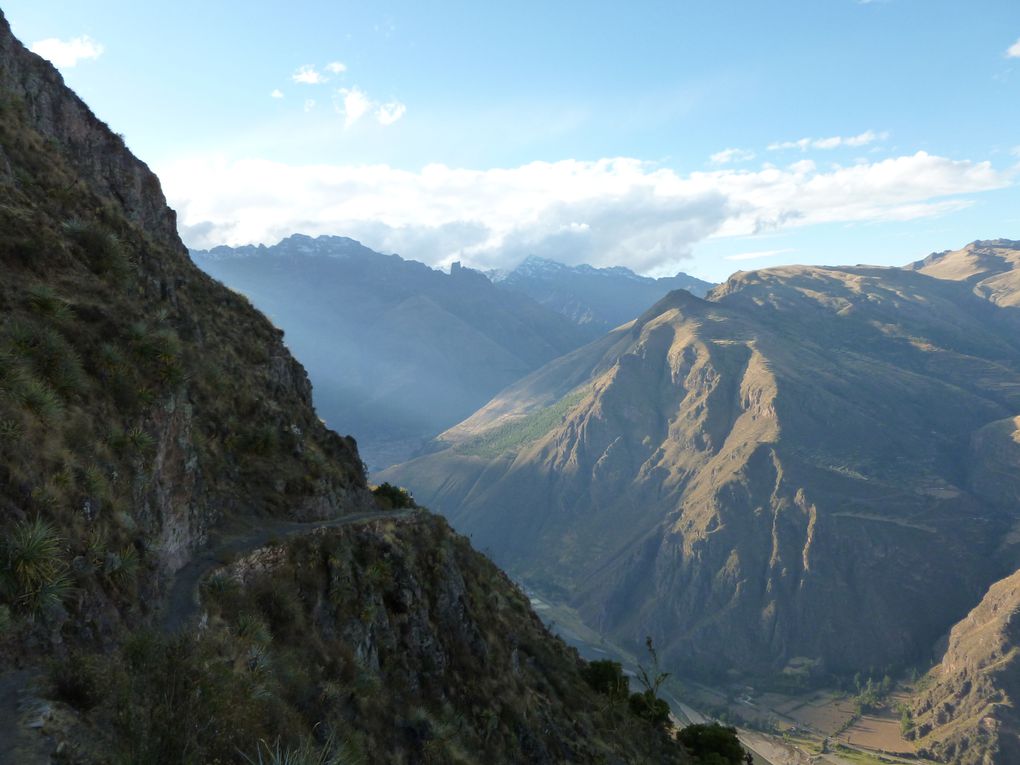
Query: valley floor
804,720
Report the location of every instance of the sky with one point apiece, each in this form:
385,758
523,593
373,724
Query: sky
703,137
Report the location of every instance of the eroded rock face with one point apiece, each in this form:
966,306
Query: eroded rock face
969,715
789,468
99,156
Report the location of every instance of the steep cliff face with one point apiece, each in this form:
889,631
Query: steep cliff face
96,156
141,403
790,468
968,714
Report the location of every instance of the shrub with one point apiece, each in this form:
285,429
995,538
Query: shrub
646,706
32,567
42,401
12,378
391,497
104,254
607,678
713,744
45,302
307,752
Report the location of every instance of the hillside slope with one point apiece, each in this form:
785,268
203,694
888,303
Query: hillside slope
794,467
969,714
145,410
398,351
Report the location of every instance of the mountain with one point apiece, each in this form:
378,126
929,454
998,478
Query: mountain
598,299
804,465
397,351
968,714
192,567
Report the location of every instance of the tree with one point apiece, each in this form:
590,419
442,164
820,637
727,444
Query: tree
647,704
653,680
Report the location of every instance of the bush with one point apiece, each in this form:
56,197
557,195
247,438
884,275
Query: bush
713,744
607,678
104,254
42,401
646,706
45,302
391,497
33,572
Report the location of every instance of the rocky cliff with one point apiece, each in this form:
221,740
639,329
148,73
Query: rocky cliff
968,714
142,402
794,468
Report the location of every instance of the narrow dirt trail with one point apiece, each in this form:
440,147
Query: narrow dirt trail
19,747
182,602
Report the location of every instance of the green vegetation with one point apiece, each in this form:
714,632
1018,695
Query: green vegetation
308,752
713,744
513,435
606,677
391,497
33,572
457,670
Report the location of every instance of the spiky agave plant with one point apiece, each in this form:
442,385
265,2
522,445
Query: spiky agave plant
33,572
307,753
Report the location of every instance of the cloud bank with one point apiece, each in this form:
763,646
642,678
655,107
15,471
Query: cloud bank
65,54
604,212
832,142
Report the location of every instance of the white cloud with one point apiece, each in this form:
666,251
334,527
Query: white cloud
832,142
389,113
604,212
727,156
336,67
277,93
308,75
65,54
757,254
354,104
309,104
1014,50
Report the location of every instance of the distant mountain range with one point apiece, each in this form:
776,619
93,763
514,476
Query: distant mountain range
812,467
397,351
598,298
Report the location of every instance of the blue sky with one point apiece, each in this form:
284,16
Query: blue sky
704,136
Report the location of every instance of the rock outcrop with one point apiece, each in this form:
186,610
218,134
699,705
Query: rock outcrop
968,714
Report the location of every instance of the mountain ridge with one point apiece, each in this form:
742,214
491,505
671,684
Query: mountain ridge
728,468
597,298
